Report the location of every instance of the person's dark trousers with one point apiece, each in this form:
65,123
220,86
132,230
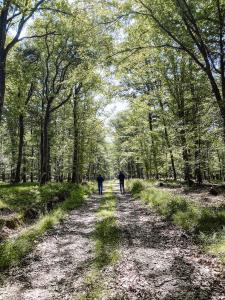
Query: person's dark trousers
122,190
100,188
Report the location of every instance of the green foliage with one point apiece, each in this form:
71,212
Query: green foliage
106,239
135,186
23,196
174,208
106,236
211,220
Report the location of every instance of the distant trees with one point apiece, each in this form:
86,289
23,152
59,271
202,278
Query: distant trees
169,62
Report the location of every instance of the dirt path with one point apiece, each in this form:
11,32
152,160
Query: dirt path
59,261
157,261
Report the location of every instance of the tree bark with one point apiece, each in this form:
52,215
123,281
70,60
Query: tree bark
24,174
153,146
2,83
20,149
45,155
3,26
75,168
168,141
198,172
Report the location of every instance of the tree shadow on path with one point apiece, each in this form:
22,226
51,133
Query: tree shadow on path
160,261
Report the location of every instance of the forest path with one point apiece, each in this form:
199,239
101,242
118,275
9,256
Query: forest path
158,260
155,261
53,270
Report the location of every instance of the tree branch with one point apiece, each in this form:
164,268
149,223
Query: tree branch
38,35
171,34
22,22
62,103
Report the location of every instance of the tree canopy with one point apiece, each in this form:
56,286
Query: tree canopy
62,62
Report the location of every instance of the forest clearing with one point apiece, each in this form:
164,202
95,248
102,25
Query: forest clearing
112,149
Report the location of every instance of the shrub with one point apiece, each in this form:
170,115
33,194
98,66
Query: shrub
211,220
136,186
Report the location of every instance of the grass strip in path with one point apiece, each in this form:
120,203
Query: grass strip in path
106,245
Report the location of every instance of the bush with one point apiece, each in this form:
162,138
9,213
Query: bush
187,219
135,186
173,208
211,221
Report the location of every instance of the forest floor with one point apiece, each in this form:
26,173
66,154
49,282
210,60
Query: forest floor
199,194
152,259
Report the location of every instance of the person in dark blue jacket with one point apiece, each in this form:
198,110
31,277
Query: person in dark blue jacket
100,180
121,178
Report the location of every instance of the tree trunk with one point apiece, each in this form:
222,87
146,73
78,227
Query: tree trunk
45,148
24,174
153,146
20,149
32,164
2,84
3,175
3,25
75,170
198,172
168,141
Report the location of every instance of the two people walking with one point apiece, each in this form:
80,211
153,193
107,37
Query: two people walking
121,178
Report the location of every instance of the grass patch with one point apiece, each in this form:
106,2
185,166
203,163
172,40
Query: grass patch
106,235
106,240
21,197
13,250
207,223
27,202
93,286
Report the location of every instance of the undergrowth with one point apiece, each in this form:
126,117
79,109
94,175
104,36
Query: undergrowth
19,198
207,223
